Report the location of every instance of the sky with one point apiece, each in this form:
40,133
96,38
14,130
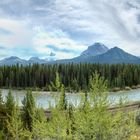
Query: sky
65,28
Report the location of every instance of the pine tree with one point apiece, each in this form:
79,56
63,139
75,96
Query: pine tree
1,99
62,104
10,103
57,84
71,128
14,125
57,126
93,120
29,109
2,116
1,79
40,125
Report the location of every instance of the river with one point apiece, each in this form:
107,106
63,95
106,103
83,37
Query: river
44,99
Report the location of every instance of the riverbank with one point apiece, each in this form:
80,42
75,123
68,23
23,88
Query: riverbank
127,88
112,90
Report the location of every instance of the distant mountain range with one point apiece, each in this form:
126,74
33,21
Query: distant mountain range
96,53
99,53
13,60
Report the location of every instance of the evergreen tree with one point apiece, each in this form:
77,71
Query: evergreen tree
57,84
62,104
73,76
40,125
57,126
29,109
71,128
92,121
1,79
10,104
1,99
2,116
98,90
14,126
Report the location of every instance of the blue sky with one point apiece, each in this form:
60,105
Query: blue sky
66,27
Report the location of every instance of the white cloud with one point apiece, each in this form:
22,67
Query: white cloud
21,34
72,24
56,38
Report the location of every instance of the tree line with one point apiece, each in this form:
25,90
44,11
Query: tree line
75,77
89,121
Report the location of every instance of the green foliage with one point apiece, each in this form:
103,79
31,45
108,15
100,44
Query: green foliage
10,103
29,109
90,121
1,134
62,104
1,99
14,125
71,125
57,84
94,121
123,125
138,119
75,77
40,125
57,126
98,91
3,114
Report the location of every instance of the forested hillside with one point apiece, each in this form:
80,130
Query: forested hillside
73,76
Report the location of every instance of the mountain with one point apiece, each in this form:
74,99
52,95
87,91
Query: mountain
13,60
115,56
96,53
112,56
95,49
37,60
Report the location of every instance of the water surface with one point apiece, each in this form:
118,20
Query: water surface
44,99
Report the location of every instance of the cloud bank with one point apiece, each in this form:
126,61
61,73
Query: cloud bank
38,28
